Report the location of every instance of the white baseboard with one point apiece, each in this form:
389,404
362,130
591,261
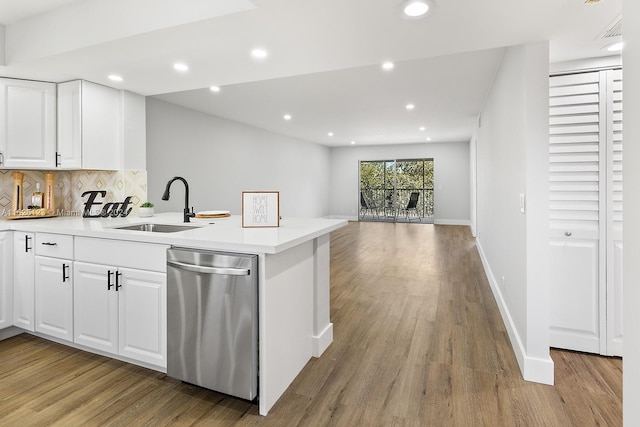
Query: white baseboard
9,332
452,222
535,369
322,341
347,217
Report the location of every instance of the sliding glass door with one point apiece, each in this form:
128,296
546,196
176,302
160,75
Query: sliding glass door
396,190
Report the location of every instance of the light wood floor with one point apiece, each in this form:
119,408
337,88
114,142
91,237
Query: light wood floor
418,342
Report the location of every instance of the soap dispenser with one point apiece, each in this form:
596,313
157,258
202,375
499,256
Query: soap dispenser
37,197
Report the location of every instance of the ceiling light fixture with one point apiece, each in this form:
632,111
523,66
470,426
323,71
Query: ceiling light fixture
417,9
422,129
330,134
353,142
115,78
215,89
614,47
180,66
259,53
388,65
428,139
410,106
287,117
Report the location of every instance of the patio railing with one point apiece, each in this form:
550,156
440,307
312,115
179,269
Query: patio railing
383,199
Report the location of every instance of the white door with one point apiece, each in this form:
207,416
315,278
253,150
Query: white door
95,302
6,279
614,215
23,280
28,120
54,297
142,315
581,193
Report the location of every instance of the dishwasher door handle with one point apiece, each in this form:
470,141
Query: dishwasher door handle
210,270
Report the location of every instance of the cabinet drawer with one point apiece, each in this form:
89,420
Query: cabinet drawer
143,256
54,245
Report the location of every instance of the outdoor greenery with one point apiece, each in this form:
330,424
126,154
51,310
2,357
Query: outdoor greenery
388,184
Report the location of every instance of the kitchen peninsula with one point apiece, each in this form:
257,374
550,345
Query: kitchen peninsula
293,284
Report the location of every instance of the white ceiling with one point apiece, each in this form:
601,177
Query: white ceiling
324,62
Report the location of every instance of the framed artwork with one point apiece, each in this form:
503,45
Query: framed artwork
261,209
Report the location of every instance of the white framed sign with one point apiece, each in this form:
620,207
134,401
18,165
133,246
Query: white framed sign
261,209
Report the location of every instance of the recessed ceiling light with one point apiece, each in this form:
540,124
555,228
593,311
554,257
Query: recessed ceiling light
422,129
115,78
417,9
428,139
287,117
180,66
388,65
330,134
215,89
410,106
259,53
353,142
615,47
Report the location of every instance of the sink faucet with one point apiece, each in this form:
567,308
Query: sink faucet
188,213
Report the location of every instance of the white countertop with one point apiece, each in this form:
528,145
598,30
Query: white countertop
224,234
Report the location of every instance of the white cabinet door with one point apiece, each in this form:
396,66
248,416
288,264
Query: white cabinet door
89,126
6,279
54,297
28,123
142,315
23,280
69,152
95,307
100,127
121,310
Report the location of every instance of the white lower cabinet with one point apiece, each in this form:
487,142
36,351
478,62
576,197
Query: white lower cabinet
54,297
23,280
121,311
6,279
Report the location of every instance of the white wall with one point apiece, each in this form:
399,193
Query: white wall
451,177
512,159
220,159
631,233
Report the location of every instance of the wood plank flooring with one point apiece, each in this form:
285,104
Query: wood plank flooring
418,341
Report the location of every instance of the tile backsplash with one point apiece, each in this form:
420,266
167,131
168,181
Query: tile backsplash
70,185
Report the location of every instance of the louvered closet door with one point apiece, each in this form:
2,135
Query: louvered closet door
614,215
582,193
576,178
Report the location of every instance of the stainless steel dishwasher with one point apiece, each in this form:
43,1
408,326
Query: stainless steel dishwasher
212,320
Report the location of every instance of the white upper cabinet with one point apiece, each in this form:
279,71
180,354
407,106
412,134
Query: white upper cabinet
27,124
100,127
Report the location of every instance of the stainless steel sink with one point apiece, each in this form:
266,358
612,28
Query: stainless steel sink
157,228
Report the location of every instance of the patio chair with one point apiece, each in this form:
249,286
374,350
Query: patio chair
412,205
365,207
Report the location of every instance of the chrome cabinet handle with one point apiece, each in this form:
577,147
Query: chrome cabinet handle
568,233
